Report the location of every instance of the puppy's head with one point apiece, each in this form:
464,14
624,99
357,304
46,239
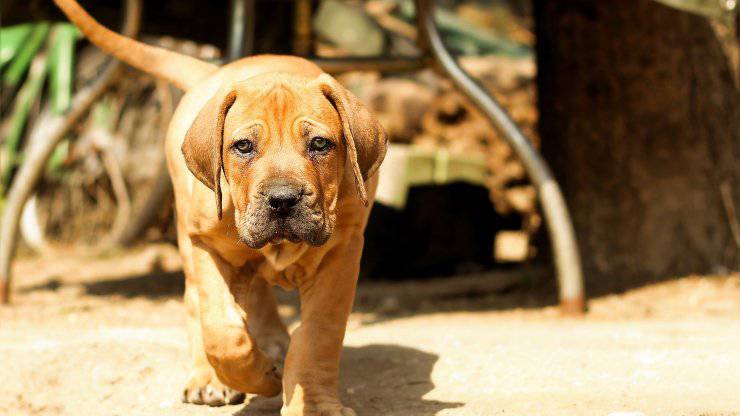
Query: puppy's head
283,143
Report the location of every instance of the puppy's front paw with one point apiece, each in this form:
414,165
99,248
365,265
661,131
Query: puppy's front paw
203,387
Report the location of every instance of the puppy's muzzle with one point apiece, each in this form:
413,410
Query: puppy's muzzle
284,209
283,198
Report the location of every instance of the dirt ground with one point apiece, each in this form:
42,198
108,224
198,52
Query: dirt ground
107,337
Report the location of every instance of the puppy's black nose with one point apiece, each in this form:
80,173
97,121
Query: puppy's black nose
283,198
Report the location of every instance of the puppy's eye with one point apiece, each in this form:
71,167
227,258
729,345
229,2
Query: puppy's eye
243,146
320,144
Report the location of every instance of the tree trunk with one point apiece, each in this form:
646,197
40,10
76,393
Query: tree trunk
640,120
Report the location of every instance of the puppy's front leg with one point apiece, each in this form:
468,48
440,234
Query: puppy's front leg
229,347
312,366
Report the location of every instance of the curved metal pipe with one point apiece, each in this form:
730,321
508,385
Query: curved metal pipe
560,227
47,133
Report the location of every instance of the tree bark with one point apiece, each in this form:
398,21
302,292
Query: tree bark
640,120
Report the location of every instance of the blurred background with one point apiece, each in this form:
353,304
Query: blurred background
633,104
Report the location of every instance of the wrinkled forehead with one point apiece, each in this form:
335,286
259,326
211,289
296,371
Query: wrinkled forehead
279,102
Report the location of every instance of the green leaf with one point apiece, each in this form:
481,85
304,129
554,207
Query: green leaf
25,54
61,66
11,39
56,160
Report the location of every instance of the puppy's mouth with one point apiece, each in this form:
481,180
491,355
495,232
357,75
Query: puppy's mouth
285,234
259,229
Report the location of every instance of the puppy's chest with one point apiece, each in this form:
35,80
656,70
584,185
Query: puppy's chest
287,265
289,278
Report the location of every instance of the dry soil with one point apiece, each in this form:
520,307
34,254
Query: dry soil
107,337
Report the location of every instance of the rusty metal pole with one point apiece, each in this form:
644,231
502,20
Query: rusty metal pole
559,225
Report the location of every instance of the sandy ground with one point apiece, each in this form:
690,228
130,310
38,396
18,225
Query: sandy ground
107,337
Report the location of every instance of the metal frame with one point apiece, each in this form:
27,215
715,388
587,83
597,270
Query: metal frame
241,40
435,54
557,217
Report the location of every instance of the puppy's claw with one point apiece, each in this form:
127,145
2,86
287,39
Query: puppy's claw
209,391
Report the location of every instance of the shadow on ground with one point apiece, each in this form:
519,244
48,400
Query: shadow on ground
524,287
153,285
370,376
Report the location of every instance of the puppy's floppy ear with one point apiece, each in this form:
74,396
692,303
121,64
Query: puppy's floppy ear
203,142
365,138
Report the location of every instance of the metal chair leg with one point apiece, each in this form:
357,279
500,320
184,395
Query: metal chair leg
241,34
560,227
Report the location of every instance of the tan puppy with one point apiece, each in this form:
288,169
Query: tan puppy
273,165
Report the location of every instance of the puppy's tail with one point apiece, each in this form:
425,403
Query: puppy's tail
181,70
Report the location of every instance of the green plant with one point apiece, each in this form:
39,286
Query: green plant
32,53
